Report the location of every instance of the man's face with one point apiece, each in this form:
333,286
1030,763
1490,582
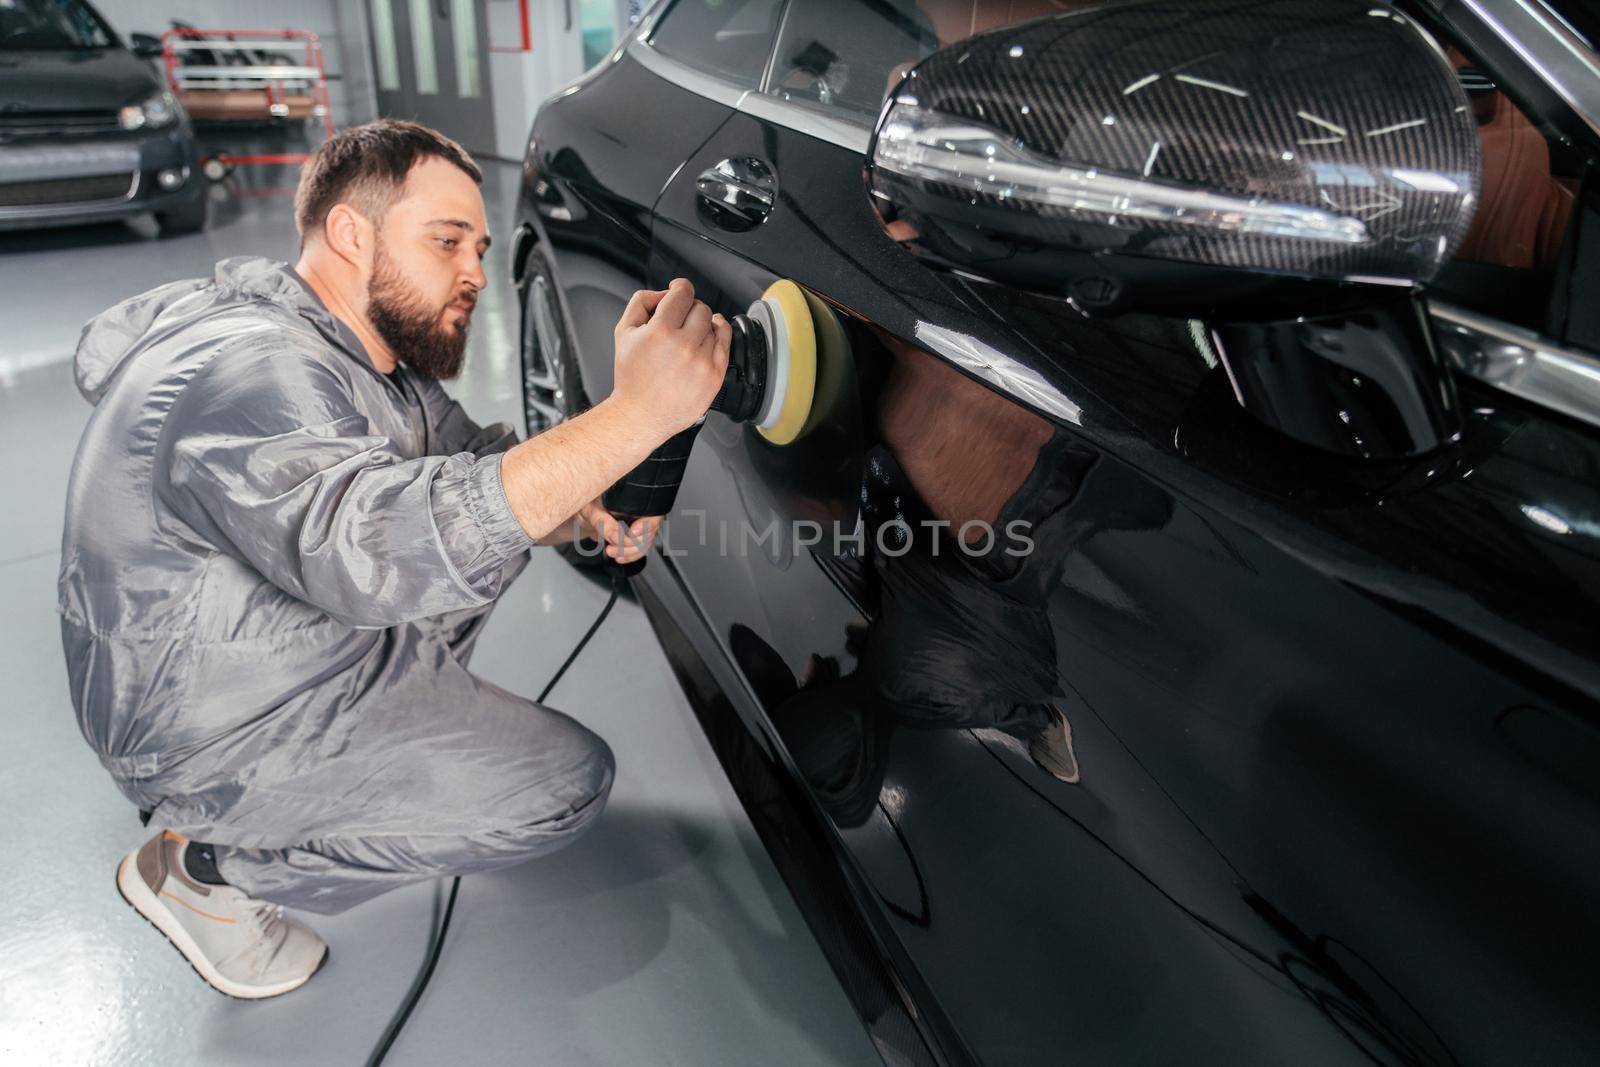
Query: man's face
428,268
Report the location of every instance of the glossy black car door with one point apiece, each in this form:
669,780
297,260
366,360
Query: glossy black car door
1043,914
1260,756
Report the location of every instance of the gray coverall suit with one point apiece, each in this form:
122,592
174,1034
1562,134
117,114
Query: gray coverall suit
275,565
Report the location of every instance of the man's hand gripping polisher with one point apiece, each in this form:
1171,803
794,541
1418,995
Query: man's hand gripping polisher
770,382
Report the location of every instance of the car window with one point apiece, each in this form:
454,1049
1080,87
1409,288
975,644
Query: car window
1507,263
838,54
728,39
28,24
844,55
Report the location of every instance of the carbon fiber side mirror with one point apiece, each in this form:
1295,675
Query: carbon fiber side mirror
1200,158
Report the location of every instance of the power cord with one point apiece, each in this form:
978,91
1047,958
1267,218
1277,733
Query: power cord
436,944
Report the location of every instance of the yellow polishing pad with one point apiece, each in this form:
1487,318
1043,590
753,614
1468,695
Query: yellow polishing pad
798,361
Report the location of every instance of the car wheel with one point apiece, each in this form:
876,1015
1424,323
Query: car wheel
186,218
552,391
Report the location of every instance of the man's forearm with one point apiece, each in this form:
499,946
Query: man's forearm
564,532
548,478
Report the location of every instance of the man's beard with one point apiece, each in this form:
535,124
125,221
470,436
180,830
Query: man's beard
414,332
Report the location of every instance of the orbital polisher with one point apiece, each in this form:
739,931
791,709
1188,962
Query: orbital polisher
770,383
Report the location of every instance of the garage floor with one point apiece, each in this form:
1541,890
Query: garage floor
663,937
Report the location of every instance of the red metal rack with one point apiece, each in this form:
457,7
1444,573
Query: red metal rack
248,91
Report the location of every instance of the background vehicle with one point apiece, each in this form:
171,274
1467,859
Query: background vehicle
88,132
1281,746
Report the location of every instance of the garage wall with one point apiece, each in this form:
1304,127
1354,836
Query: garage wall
522,79
355,52
341,24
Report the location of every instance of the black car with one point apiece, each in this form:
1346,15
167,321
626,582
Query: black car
1175,634
88,130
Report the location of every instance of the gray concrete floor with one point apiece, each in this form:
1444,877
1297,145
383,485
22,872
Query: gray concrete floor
663,937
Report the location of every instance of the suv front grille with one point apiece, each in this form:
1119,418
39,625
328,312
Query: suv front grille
19,124
55,191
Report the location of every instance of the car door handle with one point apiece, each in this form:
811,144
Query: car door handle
736,194
745,198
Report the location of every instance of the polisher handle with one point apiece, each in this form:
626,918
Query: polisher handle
651,488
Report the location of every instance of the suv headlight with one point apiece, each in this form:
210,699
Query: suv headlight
159,110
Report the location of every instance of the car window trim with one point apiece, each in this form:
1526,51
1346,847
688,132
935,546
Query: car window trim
1524,363
683,75
1550,49
751,102
647,19
689,77
808,121
772,47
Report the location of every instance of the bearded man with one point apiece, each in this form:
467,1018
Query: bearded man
282,542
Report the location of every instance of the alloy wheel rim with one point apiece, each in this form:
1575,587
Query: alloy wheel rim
543,354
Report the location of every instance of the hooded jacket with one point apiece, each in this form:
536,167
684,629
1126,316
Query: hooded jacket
252,505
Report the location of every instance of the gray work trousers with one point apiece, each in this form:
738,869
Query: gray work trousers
439,773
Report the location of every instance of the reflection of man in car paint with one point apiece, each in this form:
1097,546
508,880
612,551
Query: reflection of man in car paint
958,638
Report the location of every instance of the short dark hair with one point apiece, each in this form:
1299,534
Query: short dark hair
366,166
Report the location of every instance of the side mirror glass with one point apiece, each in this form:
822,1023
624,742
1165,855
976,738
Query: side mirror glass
1192,157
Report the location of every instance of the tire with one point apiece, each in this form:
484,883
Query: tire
184,219
552,390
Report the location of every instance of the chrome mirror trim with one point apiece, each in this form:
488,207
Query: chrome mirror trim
1519,362
916,142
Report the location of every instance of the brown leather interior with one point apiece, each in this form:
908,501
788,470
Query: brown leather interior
954,20
964,447
1522,209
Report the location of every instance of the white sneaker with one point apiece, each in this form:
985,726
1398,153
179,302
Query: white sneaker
1052,748
242,947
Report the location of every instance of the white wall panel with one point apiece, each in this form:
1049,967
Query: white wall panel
523,79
